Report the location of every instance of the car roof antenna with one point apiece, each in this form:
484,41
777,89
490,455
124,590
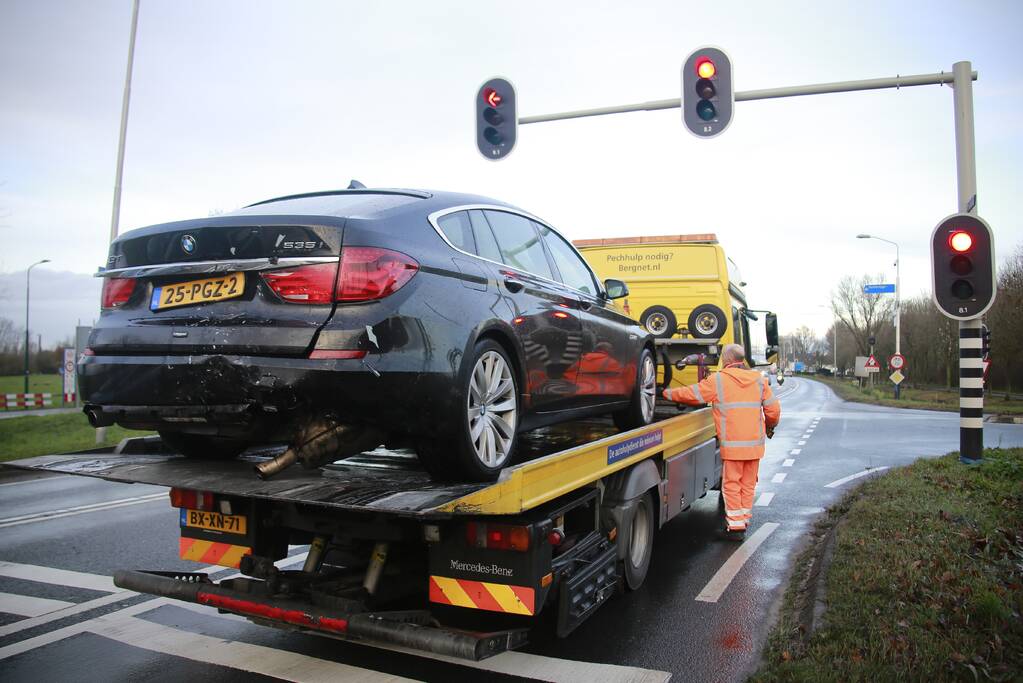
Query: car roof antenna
355,185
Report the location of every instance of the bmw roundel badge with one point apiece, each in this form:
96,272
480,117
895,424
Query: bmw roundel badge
188,244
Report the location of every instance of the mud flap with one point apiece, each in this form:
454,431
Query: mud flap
586,590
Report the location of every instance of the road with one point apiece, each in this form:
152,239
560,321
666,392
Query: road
702,615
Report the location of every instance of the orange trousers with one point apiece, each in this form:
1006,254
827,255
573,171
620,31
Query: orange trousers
738,480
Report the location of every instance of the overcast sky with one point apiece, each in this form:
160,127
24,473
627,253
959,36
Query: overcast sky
233,102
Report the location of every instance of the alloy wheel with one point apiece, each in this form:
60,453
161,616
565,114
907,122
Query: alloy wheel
492,409
656,323
648,388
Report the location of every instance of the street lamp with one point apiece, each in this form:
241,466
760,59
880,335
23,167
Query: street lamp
27,274
898,294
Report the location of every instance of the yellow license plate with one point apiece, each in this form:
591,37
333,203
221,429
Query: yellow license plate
198,291
214,521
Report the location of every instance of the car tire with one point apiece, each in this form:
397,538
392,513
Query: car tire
203,446
707,322
487,428
639,543
659,321
640,411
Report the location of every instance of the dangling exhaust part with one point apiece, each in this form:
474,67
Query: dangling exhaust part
321,441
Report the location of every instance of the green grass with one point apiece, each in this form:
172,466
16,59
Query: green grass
37,384
926,399
24,437
926,581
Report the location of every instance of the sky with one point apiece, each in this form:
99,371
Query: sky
237,101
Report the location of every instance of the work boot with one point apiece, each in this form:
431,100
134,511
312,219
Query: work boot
738,535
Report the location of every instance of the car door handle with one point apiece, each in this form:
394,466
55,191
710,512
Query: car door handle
513,285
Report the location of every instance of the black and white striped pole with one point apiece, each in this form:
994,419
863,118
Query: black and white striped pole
971,391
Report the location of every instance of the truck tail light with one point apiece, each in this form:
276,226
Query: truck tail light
312,284
193,500
116,291
369,273
497,536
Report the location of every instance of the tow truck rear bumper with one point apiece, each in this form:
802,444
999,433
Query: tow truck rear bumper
409,629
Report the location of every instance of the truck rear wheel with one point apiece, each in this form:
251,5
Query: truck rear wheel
707,322
659,321
640,543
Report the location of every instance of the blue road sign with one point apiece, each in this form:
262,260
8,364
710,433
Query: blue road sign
879,289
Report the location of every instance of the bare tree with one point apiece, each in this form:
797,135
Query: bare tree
864,315
1006,319
10,336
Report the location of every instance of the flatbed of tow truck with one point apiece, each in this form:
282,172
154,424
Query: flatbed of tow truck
397,557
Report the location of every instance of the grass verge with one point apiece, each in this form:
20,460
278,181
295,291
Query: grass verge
924,582
24,437
924,399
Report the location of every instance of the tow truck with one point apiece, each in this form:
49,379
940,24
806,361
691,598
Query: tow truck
395,557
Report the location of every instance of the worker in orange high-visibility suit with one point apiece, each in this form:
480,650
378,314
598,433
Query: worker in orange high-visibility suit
745,411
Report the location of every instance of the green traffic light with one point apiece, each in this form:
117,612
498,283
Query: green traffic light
493,136
705,110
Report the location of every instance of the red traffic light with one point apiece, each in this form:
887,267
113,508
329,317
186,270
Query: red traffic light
492,97
705,68
960,241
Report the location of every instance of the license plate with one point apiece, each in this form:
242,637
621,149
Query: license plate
214,521
198,291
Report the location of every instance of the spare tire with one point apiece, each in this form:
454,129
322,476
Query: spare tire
707,322
659,321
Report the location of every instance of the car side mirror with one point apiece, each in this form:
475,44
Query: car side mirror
771,323
615,289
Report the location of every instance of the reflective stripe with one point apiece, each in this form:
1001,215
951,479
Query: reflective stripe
697,394
721,389
721,397
737,526
739,404
734,513
740,444
771,402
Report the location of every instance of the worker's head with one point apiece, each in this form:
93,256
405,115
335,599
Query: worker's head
732,353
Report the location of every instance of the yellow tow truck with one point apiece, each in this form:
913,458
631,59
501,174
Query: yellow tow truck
687,293
459,569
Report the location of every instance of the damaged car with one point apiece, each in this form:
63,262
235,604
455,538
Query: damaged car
338,321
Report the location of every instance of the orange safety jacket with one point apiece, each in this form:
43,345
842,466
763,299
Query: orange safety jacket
743,406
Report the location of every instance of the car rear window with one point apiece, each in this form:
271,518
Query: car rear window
328,205
458,230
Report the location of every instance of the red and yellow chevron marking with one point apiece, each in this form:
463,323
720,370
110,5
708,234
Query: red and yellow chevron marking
496,597
211,552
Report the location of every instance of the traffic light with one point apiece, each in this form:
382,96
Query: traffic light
963,266
496,120
708,95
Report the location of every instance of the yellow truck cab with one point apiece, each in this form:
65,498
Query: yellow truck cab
687,293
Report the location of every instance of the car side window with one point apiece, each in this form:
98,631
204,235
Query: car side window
520,243
486,245
458,230
574,271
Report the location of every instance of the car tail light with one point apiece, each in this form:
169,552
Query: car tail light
193,500
497,536
369,273
116,291
337,354
313,284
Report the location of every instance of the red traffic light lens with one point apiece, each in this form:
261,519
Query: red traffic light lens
705,68
492,97
960,241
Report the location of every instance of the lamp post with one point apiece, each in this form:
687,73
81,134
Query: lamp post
27,281
898,293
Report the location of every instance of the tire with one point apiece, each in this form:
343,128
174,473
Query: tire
640,543
644,395
488,426
659,321
707,322
203,447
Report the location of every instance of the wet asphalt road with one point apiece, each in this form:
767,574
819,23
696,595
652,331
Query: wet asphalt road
693,618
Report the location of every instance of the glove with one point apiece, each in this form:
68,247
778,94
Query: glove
770,432
666,393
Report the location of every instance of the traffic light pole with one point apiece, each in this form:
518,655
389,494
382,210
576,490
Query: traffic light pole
971,362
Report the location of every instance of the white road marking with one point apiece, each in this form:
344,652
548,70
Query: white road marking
764,499
80,510
57,577
28,606
795,451
778,478
36,480
721,580
802,442
789,462
843,480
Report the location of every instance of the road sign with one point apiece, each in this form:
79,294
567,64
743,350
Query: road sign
69,371
896,377
897,361
879,289
872,365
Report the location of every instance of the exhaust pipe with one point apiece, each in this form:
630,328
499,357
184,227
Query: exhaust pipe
98,417
322,441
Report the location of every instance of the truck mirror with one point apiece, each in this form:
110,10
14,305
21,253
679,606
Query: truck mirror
772,329
615,289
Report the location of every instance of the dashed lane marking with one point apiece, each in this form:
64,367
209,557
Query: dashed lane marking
28,606
57,577
838,482
80,510
778,478
795,451
721,580
764,499
802,442
789,462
